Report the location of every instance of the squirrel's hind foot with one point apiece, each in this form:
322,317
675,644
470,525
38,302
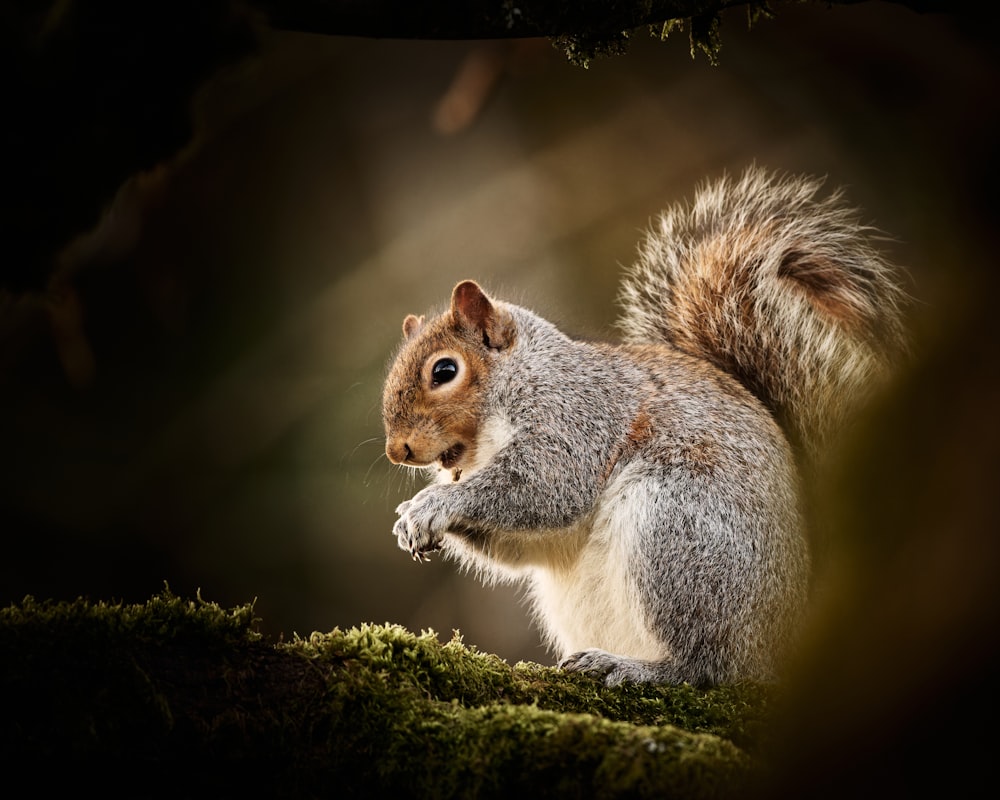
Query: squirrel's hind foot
610,669
613,670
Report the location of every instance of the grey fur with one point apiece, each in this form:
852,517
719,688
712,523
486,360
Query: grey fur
647,499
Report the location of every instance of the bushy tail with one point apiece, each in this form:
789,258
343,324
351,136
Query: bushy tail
779,287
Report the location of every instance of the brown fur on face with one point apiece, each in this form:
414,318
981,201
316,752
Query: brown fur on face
428,422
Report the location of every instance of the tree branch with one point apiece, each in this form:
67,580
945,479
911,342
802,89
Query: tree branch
473,19
476,19
182,698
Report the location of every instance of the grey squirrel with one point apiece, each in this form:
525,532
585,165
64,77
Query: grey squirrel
648,493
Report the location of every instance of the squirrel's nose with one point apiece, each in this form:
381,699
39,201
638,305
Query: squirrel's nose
398,451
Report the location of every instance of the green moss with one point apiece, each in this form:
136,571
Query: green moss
182,686
454,671
163,617
582,48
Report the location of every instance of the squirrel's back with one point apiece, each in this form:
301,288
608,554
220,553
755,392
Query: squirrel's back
777,286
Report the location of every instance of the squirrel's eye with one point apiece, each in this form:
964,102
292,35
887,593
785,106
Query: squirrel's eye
444,370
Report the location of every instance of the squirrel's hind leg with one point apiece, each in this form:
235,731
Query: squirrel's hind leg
613,670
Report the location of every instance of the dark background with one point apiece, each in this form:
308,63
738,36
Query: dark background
197,400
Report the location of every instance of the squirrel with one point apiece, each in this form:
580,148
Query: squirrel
648,493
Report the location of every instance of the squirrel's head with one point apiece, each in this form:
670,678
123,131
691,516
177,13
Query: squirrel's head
432,403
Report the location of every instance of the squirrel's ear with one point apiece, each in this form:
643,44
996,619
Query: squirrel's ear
472,308
412,325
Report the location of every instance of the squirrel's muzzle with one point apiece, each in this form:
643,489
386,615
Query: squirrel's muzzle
398,451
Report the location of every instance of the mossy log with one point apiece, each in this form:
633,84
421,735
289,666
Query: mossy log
183,698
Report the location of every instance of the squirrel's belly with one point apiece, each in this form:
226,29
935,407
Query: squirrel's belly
593,601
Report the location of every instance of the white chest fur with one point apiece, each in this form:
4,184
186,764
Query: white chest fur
591,600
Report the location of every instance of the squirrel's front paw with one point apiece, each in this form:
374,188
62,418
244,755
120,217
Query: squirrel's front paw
422,523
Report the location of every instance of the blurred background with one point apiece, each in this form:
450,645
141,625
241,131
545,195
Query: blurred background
199,402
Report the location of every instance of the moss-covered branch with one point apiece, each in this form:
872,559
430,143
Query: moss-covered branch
582,28
468,19
190,692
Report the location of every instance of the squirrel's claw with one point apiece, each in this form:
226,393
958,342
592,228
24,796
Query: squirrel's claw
420,525
594,662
